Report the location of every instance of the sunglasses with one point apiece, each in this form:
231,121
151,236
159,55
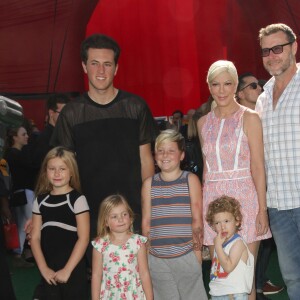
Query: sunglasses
253,86
276,49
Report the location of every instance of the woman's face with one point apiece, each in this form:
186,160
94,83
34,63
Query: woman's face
223,89
21,139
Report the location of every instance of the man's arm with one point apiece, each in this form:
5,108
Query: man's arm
147,162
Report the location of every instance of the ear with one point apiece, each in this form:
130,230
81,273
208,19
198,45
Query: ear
239,94
182,156
294,48
84,67
116,70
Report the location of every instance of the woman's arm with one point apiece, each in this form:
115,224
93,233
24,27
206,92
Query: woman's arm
253,130
83,232
35,243
144,272
97,270
146,207
197,214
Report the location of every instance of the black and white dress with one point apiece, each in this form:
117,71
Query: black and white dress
59,236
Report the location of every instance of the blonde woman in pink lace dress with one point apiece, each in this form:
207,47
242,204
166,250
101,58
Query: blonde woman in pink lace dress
232,145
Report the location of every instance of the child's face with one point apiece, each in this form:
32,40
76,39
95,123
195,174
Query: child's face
225,223
119,219
168,156
59,175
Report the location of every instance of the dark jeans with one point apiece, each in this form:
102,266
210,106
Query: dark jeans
6,288
265,249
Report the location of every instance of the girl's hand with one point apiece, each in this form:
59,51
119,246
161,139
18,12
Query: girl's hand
62,276
262,223
49,275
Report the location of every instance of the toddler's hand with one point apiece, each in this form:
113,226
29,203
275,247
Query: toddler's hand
219,239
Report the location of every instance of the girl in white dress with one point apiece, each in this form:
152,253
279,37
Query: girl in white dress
120,266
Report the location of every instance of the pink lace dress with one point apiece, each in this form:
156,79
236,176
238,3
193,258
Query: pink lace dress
227,154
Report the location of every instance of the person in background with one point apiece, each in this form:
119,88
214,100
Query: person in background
172,221
247,93
233,264
177,123
6,287
54,106
278,107
232,146
193,161
248,90
22,183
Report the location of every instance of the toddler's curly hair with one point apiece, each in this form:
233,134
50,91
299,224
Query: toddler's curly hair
224,204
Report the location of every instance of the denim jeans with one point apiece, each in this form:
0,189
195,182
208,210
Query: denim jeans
285,226
243,296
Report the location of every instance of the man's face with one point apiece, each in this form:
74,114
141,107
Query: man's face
278,64
100,69
177,119
54,114
248,96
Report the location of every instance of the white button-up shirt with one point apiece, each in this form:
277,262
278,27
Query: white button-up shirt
281,131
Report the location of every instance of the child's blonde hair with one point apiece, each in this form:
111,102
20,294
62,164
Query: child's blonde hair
68,157
224,204
106,206
170,135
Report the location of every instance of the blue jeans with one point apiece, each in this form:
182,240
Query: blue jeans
243,296
285,226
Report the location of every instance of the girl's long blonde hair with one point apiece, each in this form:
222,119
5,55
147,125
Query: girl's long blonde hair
106,206
68,157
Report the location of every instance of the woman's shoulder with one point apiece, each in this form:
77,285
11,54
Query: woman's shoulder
251,120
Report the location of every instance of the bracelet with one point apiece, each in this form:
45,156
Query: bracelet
265,209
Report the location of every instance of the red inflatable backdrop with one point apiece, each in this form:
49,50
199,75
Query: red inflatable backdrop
167,46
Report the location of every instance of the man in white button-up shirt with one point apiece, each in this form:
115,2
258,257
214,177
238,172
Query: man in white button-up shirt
279,108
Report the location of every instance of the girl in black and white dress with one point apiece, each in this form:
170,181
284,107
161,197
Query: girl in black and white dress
60,233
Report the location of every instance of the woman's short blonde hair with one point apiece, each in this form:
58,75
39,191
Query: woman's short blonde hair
219,67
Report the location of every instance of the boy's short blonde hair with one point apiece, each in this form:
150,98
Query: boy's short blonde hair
170,135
